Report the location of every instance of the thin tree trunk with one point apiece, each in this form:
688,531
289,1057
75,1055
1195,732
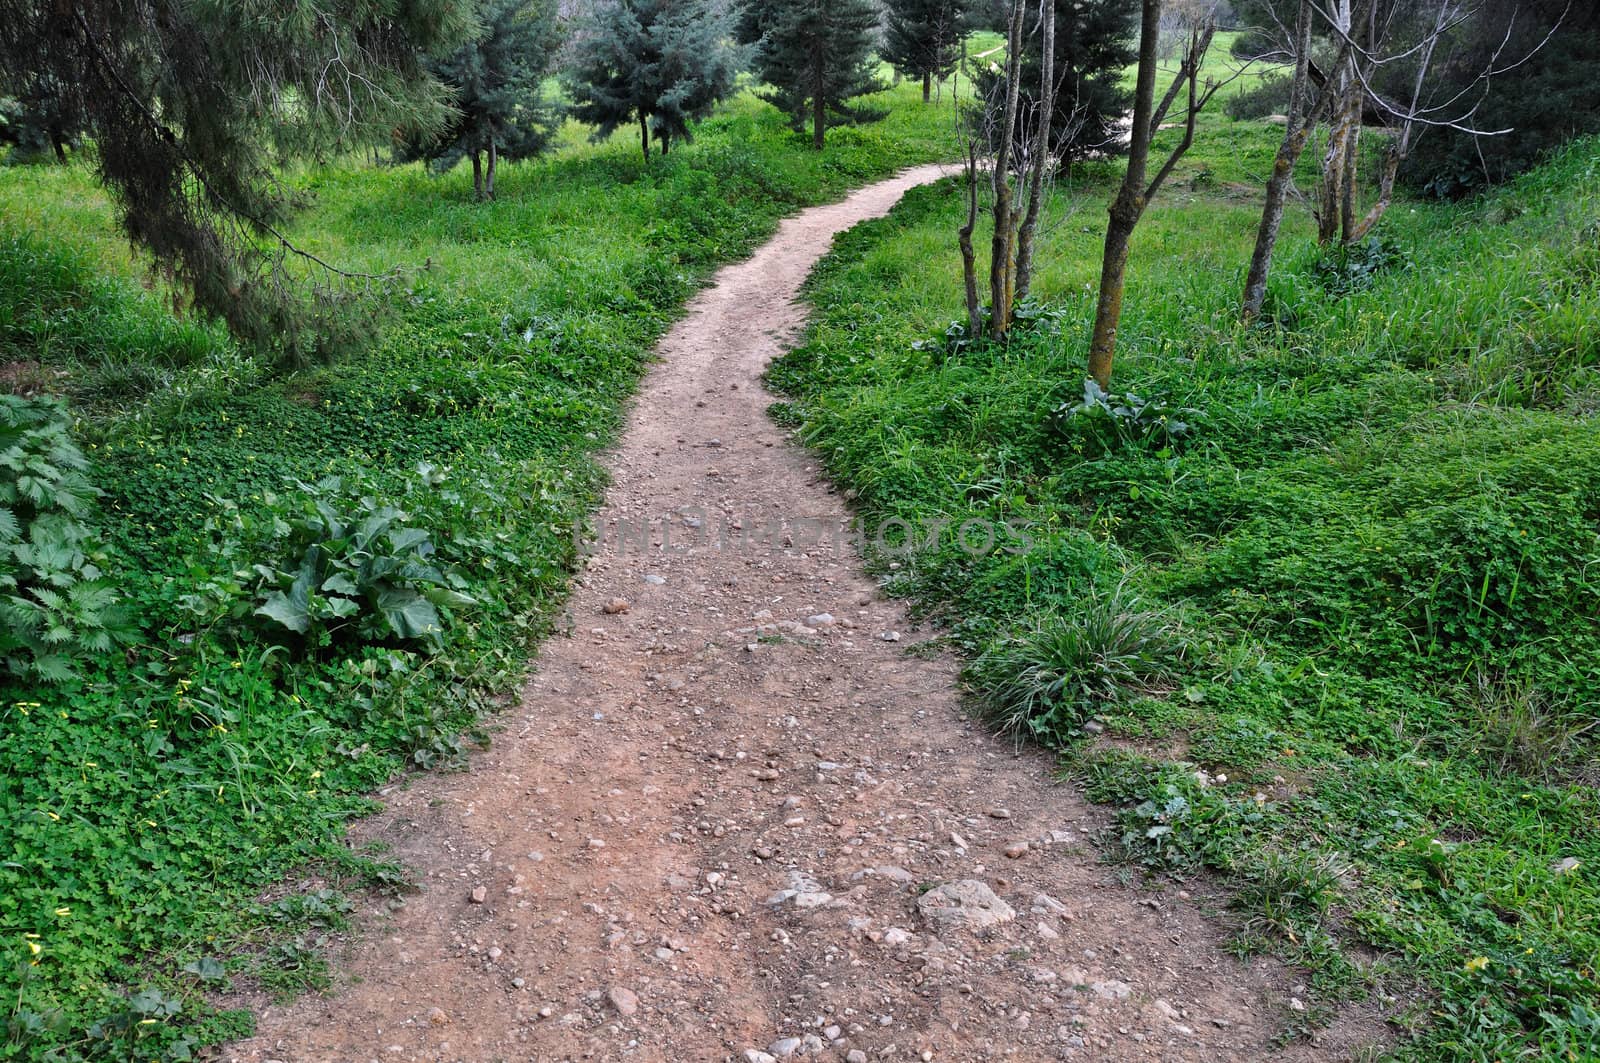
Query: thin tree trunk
1002,277
969,255
1391,167
1352,161
1302,118
927,86
1346,85
1129,203
1041,151
644,136
477,175
494,158
819,103
1400,147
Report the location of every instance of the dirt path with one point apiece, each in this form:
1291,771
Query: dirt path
704,833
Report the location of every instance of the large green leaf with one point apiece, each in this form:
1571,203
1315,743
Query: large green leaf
286,611
410,615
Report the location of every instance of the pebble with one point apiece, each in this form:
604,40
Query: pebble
820,620
626,1001
1016,850
615,606
437,1017
803,892
654,580
999,813
479,894
890,636
965,905
855,1055
785,1048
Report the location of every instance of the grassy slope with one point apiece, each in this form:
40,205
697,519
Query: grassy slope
1376,553
147,805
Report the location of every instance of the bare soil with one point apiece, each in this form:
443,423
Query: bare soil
704,832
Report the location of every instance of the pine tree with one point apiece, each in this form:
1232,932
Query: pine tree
818,55
495,78
40,125
1095,43
923,38
663,64
191,105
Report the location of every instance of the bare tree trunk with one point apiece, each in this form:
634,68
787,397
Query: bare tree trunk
1129,202
1334,165
819,105
927,86
1400,147
1302,119
1391,167
644,136
1348,191
494,159
969,255
477,175
1134,194
1002,278
1041,150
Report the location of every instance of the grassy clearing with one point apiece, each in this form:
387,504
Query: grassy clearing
149,803
1347,610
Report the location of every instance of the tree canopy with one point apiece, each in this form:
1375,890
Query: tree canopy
817,55
191,106
495,76
923,38
663,64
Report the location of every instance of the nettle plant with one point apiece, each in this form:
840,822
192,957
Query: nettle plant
55,604
1105,422
340,567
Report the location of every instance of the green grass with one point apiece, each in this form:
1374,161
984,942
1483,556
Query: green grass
150,805
1375,553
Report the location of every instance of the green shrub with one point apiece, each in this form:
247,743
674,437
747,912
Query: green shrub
1269,95
1045,682
57,605
1346,268
1105,423
331,564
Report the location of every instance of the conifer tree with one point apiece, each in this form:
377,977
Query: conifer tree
40,125
495,78
663,64
190,107
817,55
923,39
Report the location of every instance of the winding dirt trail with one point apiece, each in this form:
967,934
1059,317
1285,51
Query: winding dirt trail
704,833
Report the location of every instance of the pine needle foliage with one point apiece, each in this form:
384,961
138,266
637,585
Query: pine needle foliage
191,107
922,38
495,79
663,64
818,56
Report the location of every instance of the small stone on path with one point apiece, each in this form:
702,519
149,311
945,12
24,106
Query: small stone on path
626,1001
